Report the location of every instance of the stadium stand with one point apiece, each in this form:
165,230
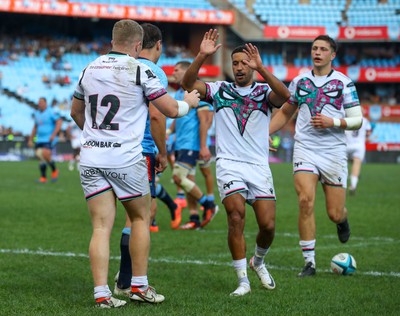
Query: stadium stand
323,12
192,4
30,74
373,12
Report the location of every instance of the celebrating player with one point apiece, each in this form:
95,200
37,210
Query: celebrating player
110,105
242,116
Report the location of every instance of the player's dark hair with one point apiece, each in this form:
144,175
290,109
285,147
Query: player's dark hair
329,40
151,35
183,63
238,49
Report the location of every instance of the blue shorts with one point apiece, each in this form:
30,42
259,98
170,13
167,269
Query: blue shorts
189,157
151,172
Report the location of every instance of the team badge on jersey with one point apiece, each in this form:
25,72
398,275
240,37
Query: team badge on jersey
317,97
242,106
150,74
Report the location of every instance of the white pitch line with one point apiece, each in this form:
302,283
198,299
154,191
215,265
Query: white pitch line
41,252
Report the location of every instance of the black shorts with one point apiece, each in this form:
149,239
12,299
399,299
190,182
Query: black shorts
44,145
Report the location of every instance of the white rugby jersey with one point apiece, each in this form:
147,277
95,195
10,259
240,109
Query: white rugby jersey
329,95
358,136
116,89
242,117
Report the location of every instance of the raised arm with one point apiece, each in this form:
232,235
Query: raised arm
208,47
280,93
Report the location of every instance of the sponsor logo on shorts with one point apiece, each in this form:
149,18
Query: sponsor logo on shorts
100,144
297,164
228,185
110,174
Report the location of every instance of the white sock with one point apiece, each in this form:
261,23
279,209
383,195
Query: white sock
353,182
241,270
140,282
259,254
102,291
308,249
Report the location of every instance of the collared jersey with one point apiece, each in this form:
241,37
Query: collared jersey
242,117
116,89
46,123
148,142
187,128
329,95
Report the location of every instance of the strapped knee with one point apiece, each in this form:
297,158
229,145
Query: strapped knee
39,154
182,174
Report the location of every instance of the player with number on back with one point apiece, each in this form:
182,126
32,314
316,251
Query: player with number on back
110,105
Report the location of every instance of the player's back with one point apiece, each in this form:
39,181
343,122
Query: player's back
115,88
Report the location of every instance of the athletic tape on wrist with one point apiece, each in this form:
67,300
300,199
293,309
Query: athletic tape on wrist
336,122
183,108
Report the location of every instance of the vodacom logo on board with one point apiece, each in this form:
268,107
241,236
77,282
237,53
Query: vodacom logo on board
350,32
370,74
283,32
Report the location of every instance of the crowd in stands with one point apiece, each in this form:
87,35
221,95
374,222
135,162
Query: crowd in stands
60,74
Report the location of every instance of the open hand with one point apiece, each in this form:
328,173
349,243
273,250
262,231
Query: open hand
209,44
254,61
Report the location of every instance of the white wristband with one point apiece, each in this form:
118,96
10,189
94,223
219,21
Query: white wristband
336,122
183,108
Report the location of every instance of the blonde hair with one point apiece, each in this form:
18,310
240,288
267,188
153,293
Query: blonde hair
126,32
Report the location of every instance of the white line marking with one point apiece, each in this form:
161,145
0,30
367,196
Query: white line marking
41,252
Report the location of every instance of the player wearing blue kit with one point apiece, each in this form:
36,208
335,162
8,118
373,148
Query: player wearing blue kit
46,128
190,145
327,104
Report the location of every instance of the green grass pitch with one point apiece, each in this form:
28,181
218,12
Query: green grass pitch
45,231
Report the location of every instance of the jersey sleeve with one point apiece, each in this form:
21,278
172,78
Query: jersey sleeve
79,93
350,95
152,86
292,89
211,89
